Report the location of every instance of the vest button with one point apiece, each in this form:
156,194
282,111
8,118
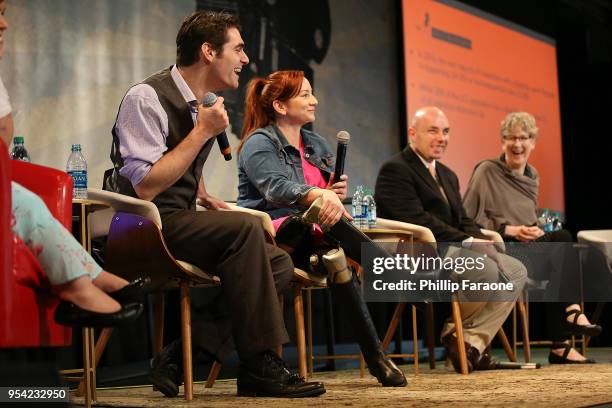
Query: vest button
306,155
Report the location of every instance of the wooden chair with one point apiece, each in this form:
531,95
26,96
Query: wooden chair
424,235
136,247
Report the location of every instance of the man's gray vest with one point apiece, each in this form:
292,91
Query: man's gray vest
182,194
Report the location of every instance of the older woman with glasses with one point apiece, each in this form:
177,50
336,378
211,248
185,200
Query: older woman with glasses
503,195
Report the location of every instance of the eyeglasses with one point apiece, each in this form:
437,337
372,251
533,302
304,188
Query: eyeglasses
514,139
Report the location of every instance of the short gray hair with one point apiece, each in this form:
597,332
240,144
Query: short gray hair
522,120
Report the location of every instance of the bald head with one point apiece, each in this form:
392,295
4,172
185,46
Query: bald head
428,133
426,115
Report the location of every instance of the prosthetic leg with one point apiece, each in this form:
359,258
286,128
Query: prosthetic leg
345,289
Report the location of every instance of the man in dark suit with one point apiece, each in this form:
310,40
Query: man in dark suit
414,187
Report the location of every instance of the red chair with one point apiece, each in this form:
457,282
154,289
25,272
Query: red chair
26,302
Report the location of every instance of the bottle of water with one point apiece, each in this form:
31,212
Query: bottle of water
365,210
357,207
545,221
369,198
19,151
557,221
77,168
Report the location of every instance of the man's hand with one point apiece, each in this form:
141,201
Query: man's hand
523,233
340,188
486,247
212,203
212,120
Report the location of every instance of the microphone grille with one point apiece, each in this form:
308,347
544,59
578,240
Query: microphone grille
209,99
343,137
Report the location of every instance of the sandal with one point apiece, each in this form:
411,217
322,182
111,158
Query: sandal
574,328
556,359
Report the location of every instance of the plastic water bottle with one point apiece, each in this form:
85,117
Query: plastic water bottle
557,221
19,151
77,168
365,210
369,198
356,205
545,221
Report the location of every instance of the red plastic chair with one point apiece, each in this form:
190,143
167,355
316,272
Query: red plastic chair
26,303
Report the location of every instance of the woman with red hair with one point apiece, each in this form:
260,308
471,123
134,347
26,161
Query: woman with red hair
282,169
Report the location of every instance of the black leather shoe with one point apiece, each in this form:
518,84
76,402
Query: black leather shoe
166,370
267,375
472,354
385,370
556,359
573,328
70,314
132,292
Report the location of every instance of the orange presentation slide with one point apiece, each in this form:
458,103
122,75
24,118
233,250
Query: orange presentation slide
477,68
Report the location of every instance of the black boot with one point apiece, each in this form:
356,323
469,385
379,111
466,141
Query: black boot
379,365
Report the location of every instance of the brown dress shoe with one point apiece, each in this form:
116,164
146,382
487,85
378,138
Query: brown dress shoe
472,354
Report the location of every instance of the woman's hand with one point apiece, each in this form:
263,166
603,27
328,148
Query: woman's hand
332,208
523,233
340,188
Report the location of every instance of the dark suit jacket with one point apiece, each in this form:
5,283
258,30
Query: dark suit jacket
405,191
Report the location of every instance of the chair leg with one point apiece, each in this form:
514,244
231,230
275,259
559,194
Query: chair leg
395,319
158,322
506,344
429,329
309,347
525,328
99,350
213,374
596,315
514,329
459,332
89,370
415,340
298,308
186,340
281,303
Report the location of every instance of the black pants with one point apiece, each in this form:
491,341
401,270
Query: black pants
232,246
569,289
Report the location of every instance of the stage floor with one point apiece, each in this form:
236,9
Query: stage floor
558,386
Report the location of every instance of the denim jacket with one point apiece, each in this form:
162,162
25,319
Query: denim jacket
270,176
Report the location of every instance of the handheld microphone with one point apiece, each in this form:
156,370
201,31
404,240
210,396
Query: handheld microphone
343,138
508,365
209,100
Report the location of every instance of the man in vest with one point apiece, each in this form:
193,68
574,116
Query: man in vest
161,139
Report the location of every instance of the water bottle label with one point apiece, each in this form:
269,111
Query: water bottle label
79,178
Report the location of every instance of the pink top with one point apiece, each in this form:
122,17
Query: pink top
312,177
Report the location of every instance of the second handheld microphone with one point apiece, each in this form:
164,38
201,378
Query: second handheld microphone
343,138
209,100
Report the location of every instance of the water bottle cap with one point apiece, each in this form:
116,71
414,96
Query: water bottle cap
76,147
18,140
